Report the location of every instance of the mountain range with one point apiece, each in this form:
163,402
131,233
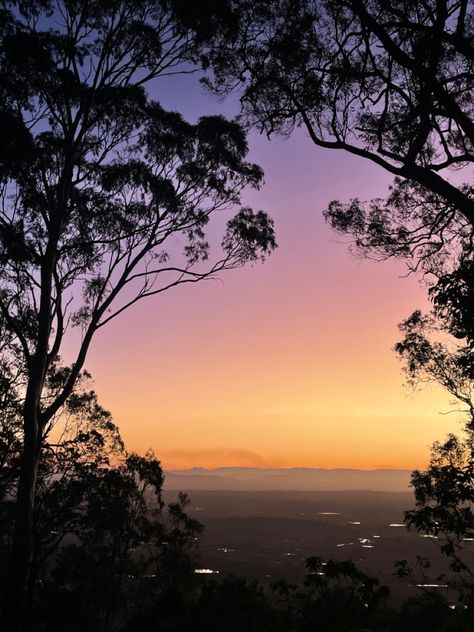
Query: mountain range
287,479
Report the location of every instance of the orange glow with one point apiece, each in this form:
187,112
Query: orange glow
283,364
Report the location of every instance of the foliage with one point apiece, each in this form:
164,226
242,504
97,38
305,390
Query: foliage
430,355
333,603
412,223
453,298
105,177
444,492
128,553
335,596
105,197
431,612
98,183
109,555
104,541
388,82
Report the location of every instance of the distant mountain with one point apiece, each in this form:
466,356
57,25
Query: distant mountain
286,479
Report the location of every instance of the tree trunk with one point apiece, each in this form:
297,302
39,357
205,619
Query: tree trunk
32,579
19,563
21,552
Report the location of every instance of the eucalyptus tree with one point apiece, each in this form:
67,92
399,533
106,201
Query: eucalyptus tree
129,550
105,545
444,491
389,82
105,196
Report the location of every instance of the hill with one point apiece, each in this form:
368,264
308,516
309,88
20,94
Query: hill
287,479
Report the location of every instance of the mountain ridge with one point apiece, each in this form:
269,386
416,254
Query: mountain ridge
287,479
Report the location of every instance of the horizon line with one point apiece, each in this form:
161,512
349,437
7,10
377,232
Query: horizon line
292,467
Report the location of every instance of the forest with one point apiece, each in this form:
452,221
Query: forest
108,199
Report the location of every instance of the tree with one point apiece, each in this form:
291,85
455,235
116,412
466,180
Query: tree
444,492
335,596
105,545
75,450
437,348
71,463
120,562
97,180
388,82
10,423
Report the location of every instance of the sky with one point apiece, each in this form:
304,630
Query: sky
282,364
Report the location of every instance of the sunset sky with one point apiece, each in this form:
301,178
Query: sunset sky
288,363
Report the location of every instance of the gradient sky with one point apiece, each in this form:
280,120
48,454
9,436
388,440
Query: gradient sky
288,363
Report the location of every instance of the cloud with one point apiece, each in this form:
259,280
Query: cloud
210,458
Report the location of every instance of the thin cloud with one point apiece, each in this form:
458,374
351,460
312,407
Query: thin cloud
210,458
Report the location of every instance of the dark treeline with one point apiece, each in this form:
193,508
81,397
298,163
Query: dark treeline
97,180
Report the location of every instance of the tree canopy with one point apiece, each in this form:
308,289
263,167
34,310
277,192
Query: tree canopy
388,82
105,197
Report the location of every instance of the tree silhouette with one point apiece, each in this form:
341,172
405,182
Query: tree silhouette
10,423
121,550
388,82
444,492
97,181
119,534
82,442
336,595
105,545
438,348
